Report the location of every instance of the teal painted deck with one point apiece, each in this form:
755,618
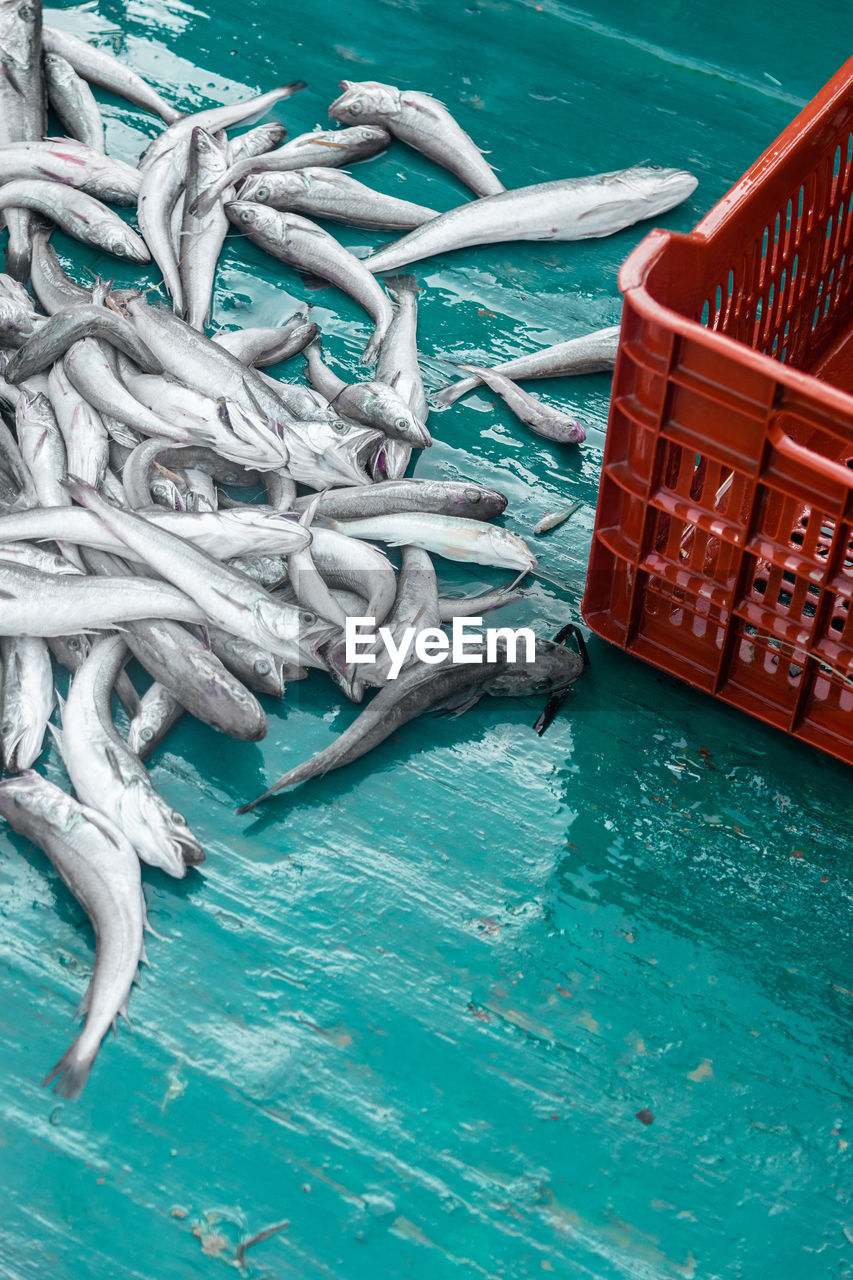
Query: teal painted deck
415,1008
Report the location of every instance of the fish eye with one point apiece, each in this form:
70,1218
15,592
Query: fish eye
262,667
307,618
473,495
246,215
6,726
401,424
262,193
542,684
355,108
340,427
146,735
178,819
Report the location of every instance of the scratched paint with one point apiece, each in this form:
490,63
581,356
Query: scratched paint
480,1004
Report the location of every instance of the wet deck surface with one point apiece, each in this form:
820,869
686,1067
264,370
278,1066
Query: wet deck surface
416,1008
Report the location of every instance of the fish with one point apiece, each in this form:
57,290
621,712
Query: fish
446,686
88,368
79,215
101,870
254,142
158,712
53,287
374,404
455,538
26,699
544,419
53,338
551,519
202,236
421,121
305,246
72,164
73,102
256,667
82,428
215,118
23,108
323,148
108,777
591,353
390,497
162,183
398,356
43,452
566,209
335,196
100,68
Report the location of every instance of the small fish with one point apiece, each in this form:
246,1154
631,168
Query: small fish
470,541
552,519
542,418
100,68
26,699
73,101
79,215
328,193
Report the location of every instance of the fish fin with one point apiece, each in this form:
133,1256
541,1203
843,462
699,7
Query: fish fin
458,708
608,207
314,282
71,1072
83,1007
57,736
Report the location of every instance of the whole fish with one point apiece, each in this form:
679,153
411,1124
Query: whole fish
79,215
328,193
552,519
228,599
83,430
422,122
398,356
448,686
568,209
215,118
375,404
158,712
263,347
26,699
73,101
162,183
202,235
100,68
305,246
592,353
53,338
323,148
391,497
107,775
470,541
542,418
44,604
73,164
101,870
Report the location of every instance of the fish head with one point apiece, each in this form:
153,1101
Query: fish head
35,807
476,502
365,101
331,452
230,706
510,550
380,406
559,426
554,667
295,633
256,219
160,835
662,188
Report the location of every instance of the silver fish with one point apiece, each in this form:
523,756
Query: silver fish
374,404
26,699
542,418
353,565
101,870
258,668
323,453
323,148
328,193
100,68
158,712
390,497
592,353
73,101
53,287
43,451
44,604
308,585
254,142
398,356
81,216
202,235
85,436
424,688
23,108
162,183
470,541
305,246
107,775
88,368
56,335
215,118
422,122
552,519
568,209
73,164
450,607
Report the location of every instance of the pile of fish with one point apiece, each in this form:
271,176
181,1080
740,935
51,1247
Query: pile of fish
162,497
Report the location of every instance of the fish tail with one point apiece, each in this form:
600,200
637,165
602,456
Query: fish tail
71,1071
402,285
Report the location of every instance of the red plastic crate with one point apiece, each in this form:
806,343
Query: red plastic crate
723,544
